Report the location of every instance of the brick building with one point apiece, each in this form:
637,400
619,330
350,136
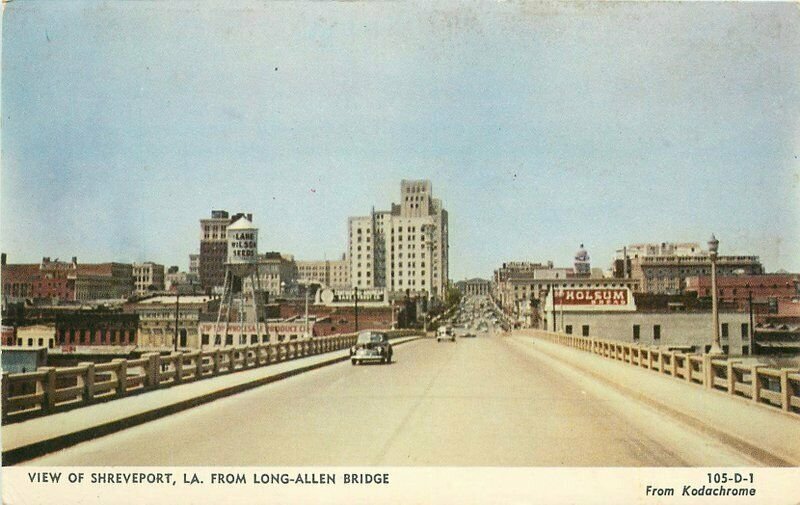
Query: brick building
214,248
663,268
766,289
96,328
148,277
66,281
330,273
156,319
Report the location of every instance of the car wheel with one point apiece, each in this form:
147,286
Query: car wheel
354,362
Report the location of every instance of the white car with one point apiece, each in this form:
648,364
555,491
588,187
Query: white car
445,333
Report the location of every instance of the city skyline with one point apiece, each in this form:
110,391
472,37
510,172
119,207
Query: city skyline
540,127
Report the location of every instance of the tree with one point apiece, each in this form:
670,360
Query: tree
453,297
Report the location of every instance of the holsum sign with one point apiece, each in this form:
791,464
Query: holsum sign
591,297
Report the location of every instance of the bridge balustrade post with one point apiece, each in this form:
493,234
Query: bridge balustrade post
708,372
121,371
6,392
88,382
755,383
157,369
215,359
177,363
786,393
687,365
231,359
198,365
151,372
47,386
258,361
731,376
245,357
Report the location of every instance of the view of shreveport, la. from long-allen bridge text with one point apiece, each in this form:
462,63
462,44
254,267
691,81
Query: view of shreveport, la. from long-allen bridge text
368,235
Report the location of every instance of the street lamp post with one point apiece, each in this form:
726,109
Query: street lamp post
713,247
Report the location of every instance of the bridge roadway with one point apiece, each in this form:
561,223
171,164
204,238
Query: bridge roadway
485,401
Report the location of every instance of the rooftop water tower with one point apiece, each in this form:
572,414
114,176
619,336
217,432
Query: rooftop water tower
242,286
242,247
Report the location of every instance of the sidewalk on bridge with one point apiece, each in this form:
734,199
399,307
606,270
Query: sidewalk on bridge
767,434
35,437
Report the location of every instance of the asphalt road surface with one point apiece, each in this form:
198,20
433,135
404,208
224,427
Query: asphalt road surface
485,401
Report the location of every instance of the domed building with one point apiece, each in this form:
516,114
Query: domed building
582,263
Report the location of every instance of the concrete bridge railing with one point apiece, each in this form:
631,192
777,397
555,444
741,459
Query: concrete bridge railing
778,388
49,390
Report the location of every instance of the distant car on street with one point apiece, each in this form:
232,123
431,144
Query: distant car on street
445,333
371,346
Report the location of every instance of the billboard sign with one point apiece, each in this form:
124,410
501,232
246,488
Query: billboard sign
599,296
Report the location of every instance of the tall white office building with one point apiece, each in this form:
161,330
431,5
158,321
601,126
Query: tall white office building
404,249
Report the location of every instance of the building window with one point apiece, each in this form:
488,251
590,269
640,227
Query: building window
204,338
585,330
228,339
745,331
724,330
568,329
656,332
636,332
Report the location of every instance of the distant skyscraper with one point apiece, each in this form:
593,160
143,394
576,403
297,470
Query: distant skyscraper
405,248
214,248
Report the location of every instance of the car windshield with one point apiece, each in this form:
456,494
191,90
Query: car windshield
367,338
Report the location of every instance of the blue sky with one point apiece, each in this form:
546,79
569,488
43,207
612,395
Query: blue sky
540,125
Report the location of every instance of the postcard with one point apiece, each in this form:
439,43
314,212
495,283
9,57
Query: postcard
400,252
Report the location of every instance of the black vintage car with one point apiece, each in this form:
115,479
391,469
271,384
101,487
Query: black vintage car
371,346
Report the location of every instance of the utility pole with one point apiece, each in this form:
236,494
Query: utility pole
177,309
306,311
355,291
752,329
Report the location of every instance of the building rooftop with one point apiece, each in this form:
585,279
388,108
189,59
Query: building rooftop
170,299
